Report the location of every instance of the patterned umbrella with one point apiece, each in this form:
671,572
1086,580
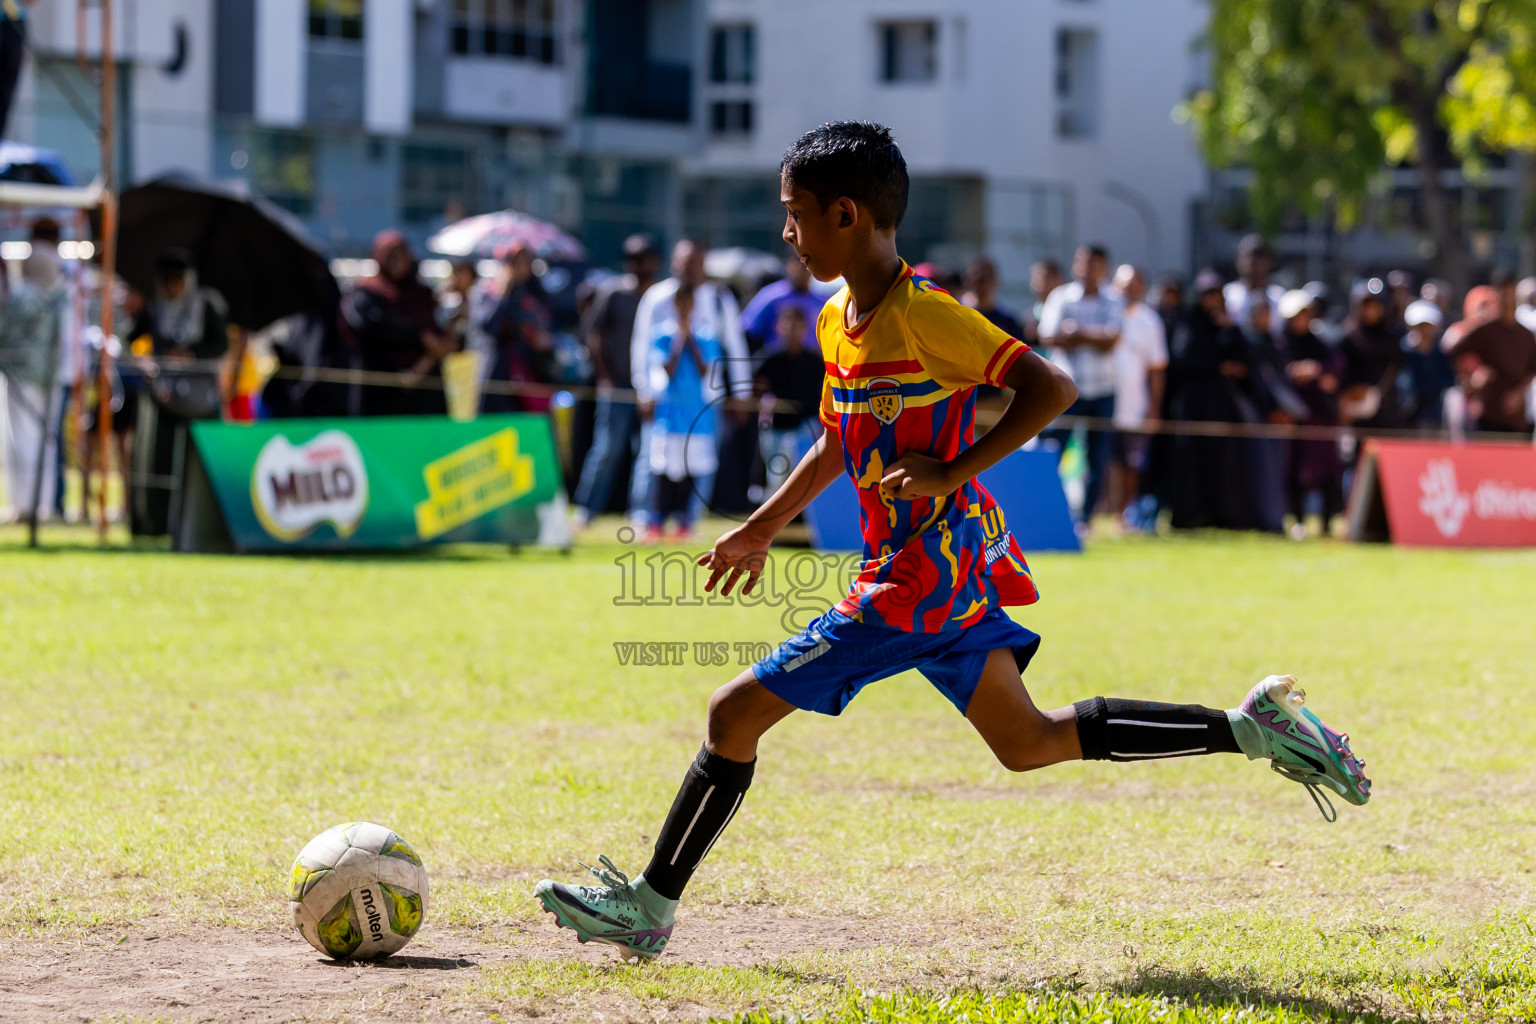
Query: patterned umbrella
490,235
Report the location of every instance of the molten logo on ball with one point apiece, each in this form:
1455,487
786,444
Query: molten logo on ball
357,891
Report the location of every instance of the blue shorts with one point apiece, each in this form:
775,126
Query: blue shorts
831,660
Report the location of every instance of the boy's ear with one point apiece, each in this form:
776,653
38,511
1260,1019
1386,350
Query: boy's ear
847,212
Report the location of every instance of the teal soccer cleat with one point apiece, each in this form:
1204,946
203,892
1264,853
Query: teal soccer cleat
1274,722
619,912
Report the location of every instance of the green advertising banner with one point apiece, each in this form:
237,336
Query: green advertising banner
372,484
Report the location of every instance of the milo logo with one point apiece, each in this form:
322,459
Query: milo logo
371,914
295,488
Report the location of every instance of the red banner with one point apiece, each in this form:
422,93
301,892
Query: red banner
1446,495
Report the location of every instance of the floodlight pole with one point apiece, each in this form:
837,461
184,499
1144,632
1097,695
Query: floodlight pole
108,265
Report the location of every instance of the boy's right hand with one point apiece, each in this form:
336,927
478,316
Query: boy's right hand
742,550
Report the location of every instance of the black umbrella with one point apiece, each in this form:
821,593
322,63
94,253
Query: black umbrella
254,253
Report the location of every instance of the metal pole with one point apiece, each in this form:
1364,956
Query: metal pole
108,256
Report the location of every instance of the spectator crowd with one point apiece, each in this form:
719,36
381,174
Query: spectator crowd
699,392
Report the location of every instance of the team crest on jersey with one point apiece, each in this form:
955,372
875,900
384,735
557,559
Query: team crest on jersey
884,399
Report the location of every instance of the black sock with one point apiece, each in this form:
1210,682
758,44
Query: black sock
710,794
1111,729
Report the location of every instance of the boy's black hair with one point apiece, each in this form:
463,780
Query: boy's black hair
856,159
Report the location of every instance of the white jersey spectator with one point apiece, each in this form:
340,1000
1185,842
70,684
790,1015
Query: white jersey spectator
1254,262
715,315
1069,309
1239,296
1143,348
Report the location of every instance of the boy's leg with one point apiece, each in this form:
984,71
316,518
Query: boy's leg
740,712
637,916
1098,729
1272,723
1021,735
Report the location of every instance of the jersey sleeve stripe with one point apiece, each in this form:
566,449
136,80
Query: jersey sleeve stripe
1003,359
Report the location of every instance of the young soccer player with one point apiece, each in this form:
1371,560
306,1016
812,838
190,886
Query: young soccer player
903,360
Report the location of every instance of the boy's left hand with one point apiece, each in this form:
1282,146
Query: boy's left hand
917,476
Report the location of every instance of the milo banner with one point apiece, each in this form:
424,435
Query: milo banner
369,484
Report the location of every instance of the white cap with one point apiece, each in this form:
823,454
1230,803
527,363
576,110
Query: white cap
1293,302
1422,311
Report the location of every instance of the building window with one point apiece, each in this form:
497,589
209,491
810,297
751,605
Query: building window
732,52
433,178
336,19
524,29
282,168
730,117
732,73
1077,83
909,51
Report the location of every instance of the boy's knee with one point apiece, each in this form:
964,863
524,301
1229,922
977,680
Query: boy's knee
727,710
1018,760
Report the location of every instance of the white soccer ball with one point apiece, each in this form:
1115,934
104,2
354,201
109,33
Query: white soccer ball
357,892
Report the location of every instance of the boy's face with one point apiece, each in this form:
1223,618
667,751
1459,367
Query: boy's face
823,238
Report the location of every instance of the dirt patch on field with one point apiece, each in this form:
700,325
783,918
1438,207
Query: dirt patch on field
267,975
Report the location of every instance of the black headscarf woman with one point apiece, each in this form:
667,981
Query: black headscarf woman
1373,360
391,319
1206,478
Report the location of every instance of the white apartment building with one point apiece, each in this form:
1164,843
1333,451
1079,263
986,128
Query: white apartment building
165,85
1028,125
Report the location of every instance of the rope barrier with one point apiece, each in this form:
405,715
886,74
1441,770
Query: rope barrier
984,417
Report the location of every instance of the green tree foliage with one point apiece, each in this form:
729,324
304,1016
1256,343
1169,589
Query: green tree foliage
1316,97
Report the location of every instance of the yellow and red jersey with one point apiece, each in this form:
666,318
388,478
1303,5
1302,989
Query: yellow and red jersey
904,380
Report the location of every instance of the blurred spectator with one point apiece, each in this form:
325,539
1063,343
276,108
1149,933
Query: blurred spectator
1314,369
1081,323
759,321
1326,327
1399,295
463,304
13,49
1439,291
182,323
789,382
1264,396
46,235
1200,362
1044,278
1141,365
683,456
1430,374
391,319
1373,360
1254,263
608,329
29,350
522,350
1481,306
981,295
1496,363
713,314
1170,303
1525,296
182,320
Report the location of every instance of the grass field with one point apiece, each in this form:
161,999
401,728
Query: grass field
173,729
